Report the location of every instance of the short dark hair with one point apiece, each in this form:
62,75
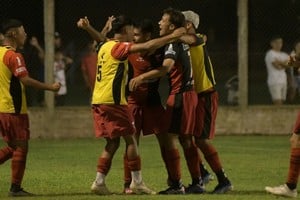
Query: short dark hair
6,25
120,22
275,37
176,17
145,25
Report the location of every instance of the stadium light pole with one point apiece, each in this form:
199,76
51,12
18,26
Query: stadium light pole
49,27
242,12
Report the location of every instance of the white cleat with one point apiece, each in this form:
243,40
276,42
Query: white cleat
100,189
140,188
282,190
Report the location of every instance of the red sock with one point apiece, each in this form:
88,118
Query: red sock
192,161
127,174
18,165
212,157
5,154
173,164
135,164
104,165
294,169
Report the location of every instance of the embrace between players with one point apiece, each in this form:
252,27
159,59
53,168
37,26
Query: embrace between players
191,107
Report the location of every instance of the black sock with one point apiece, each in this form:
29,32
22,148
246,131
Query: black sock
221,176
15,187
203,170
291,186
196,181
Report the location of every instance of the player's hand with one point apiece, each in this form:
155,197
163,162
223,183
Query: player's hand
55,87
108,25
179,32
135,82
83,23
34,42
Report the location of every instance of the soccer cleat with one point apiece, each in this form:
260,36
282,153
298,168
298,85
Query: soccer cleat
100,189
194,189
223,187
140,188
127,190
282,190
19,193
173,190
207,178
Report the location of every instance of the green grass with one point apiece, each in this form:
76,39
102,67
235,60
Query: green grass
65,169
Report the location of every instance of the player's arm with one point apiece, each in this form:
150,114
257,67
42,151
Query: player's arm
155,73
28,81
84,24
158,42
192,39
281,64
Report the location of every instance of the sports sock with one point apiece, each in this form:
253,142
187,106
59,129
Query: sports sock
100,178
203,169
18,165
136,176
294,169
192,161
127,173
173,163
104,165
135,168
5,154
212,158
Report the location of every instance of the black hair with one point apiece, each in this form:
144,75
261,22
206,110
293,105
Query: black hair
10,23
275,37
145,25
120,22
176,17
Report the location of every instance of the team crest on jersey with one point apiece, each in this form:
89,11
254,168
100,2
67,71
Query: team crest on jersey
170,50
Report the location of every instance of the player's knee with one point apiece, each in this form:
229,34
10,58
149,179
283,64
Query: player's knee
295,141
112,145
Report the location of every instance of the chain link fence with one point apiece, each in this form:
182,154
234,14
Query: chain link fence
218,20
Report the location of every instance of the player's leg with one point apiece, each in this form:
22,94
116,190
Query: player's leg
289,189
103,166
192,160
172,163
207,110
15,131
136,112
134,163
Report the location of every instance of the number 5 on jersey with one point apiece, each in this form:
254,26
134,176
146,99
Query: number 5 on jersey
99,73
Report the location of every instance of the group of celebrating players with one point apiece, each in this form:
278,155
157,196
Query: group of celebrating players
127,109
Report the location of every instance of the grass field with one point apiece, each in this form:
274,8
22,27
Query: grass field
65,169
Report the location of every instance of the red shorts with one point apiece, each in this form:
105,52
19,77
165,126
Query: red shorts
297,125
14,127
206,115
146,118
112,121
180,114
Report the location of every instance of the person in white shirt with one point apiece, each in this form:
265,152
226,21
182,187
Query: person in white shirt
276,63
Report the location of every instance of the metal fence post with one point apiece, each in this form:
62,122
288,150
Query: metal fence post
49,22
242,13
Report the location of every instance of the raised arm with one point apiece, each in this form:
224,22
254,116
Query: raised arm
158,42
84,24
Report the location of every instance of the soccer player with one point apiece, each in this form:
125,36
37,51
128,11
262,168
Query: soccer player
14,122
144,103
289,189
179,118
207,100
112,118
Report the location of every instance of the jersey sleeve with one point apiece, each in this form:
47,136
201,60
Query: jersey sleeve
198,40
120,51
171,51
15,63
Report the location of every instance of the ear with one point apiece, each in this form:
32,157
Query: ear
172,27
